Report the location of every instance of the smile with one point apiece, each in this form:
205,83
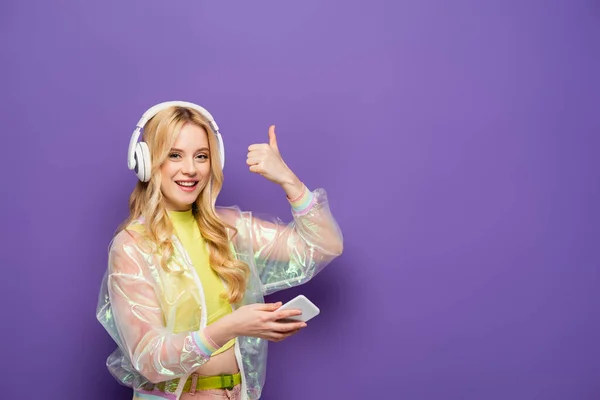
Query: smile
187,186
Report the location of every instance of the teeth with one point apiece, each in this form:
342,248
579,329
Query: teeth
189,184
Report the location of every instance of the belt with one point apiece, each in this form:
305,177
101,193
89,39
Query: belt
197,382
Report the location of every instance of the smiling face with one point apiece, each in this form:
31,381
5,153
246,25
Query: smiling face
186,171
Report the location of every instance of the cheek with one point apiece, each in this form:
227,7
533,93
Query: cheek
166,172
204,170
164,187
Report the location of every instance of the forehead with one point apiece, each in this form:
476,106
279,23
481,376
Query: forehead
191,137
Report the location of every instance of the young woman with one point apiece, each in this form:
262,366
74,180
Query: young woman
183,294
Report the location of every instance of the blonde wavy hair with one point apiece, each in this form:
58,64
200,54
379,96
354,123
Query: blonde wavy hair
146,201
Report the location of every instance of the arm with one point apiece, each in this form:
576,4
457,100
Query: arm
288,255
154,351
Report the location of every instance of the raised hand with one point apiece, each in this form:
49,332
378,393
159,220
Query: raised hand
265,159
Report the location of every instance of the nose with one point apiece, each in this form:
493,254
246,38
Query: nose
188,167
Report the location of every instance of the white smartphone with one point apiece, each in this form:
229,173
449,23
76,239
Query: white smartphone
300,302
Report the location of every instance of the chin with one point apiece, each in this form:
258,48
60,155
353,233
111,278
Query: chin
182,203
186,203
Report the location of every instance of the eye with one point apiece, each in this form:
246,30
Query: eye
202,156
174,155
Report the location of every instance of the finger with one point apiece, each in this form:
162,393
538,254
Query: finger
268,306
253,161
292,333
276,337
257,152
273,138
287,326
289,334
257,169
258,147
279,336
288,313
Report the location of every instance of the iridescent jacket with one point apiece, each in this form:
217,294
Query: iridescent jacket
139,300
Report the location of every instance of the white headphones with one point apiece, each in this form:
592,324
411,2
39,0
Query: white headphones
138,156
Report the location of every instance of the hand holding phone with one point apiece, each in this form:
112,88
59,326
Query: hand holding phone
300,302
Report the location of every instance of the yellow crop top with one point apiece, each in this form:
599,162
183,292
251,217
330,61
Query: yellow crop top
186,229
189,234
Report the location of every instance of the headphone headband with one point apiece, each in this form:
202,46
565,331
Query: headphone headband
132,163
152,111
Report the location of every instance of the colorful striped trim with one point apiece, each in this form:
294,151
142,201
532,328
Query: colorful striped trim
204,343
303,202
300,195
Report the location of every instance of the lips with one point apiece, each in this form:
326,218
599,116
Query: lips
187,186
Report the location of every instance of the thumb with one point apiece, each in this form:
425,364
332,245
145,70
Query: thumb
273,138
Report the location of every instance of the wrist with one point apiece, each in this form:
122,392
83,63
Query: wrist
221,331
292,186
303,202
204,342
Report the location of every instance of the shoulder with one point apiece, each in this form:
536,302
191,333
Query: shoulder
133,234
128,249
231,215
125,237
238,223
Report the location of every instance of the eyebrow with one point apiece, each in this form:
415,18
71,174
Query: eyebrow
181,151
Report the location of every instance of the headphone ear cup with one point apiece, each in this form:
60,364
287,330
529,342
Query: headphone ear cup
143,165
221,149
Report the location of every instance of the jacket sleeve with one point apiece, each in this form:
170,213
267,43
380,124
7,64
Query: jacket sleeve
291,254
154,351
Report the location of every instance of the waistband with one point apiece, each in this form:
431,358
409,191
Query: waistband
196,382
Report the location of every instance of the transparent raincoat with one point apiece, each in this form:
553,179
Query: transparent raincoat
139,300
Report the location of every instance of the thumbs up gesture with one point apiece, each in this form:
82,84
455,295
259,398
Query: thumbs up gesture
265,159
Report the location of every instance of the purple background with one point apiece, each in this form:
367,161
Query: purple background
457,141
